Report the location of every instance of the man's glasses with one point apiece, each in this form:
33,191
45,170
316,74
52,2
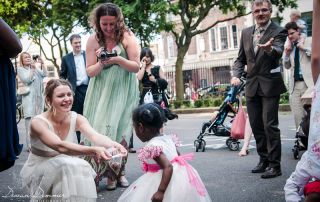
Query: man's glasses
264,11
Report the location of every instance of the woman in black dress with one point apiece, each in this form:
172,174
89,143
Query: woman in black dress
152,77
10,148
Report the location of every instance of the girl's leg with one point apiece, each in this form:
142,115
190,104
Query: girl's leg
247,137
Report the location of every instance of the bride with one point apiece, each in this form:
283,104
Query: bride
51,172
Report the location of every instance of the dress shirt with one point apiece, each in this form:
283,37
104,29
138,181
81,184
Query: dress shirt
294,50
82,76
263,29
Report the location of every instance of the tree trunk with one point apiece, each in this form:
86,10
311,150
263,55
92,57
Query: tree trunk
179,74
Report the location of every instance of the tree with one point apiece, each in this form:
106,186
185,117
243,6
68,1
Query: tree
192,12
49,20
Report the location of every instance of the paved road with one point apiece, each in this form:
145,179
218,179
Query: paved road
226,176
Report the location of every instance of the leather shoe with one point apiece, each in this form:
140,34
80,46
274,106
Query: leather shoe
260,168
271,173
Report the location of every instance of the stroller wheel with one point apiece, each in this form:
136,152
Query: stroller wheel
228,141
234,145
203,145
196,145
296,152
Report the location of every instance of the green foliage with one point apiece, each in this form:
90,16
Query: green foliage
198,103
177,104
244,102
207,102
186,103
217,101
284,98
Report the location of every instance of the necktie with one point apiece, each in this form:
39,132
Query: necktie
256,39
296,63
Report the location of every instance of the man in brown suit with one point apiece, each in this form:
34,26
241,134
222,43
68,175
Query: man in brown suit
261,47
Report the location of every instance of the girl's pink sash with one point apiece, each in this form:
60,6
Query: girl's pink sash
181,160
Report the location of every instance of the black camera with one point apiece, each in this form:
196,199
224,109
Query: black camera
34,57
104,55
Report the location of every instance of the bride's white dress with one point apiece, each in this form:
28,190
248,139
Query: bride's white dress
60,177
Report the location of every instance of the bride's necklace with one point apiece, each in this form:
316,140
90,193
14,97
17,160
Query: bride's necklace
61,124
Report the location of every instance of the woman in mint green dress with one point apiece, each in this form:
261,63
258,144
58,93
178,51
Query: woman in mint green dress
113,89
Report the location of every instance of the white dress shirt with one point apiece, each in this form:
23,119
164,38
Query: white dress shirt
82,76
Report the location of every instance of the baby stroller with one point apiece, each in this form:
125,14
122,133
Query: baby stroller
301,142
216,124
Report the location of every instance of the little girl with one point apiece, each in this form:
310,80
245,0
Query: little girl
168,176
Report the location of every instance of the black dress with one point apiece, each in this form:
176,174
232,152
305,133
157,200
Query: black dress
154,86
9,137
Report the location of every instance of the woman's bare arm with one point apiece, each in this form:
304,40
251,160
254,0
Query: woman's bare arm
40,129
93,67
9,41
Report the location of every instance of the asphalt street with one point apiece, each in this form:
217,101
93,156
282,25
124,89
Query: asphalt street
226,176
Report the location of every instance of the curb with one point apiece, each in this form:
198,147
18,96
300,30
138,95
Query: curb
282,108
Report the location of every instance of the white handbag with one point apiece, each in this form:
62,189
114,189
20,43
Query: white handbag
23,90
148,98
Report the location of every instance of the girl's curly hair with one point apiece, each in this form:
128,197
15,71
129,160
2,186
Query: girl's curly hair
109,9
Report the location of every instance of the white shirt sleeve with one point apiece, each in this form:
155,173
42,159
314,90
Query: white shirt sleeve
298,179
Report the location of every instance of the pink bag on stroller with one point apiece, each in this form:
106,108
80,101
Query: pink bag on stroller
239,123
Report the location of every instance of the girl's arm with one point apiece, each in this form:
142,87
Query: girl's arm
165,164
24,76
315,57
39,129
96,138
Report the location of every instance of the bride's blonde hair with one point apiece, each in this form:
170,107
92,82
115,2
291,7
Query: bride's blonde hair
51,85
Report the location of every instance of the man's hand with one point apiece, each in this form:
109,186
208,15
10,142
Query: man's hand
288,50
235,81
267,47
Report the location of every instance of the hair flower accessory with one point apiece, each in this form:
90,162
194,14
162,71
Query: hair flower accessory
148,111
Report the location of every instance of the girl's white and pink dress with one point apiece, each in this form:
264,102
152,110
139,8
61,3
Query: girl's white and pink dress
185,184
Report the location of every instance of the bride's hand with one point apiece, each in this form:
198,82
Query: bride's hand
102,154
122,150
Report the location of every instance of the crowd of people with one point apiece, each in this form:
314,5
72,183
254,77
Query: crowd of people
70,144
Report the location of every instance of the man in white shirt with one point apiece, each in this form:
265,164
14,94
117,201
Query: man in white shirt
298,60
73,68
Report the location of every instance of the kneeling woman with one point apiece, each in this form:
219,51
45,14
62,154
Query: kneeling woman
51,172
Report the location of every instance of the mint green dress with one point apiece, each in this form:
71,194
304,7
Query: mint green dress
111,97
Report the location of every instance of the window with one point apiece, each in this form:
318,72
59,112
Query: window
224,38
307,17
51,71
234,36
203,83
170,47
212,38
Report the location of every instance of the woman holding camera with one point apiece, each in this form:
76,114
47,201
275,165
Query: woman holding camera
113,89
32,98
149,75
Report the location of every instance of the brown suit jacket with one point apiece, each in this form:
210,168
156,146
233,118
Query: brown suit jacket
262,68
